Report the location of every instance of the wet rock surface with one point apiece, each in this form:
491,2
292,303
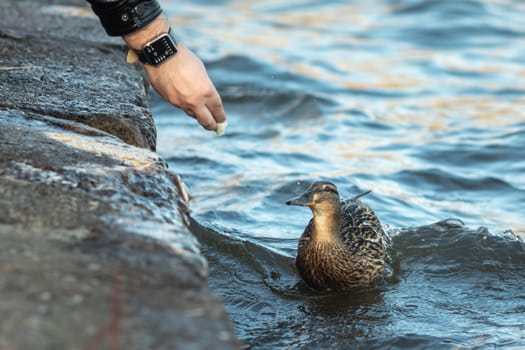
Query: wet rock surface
94,250
56,60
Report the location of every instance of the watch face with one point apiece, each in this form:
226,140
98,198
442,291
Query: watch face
160,49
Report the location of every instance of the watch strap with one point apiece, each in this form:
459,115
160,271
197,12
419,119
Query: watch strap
133,56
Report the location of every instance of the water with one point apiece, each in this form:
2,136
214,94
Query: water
421,102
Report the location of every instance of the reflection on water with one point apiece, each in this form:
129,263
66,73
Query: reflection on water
420,101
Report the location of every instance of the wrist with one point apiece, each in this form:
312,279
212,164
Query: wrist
141,37
153,44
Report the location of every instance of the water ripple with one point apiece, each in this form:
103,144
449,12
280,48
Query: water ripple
420,101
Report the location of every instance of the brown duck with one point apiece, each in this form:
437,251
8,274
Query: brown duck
343,245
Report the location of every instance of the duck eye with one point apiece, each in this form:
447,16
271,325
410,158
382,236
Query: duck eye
329,189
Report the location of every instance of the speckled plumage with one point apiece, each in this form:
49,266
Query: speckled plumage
349,246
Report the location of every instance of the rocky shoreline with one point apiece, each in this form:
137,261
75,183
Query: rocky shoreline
94,252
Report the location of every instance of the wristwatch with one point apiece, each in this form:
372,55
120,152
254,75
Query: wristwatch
156,51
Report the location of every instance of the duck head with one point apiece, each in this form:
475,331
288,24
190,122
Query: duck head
323,199
321,196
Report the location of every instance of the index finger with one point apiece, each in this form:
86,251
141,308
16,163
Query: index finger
216,108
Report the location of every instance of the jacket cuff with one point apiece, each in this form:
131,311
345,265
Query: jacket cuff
125,16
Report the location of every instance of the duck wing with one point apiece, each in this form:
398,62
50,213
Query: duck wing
359,224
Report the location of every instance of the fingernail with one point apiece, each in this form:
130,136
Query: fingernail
221,128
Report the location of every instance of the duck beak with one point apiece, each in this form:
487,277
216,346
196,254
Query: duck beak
306,199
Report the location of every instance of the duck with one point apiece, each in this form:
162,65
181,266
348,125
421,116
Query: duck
344,245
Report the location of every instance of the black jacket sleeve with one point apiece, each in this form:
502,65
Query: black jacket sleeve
121,17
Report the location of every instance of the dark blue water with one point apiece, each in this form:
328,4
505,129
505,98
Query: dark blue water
420,101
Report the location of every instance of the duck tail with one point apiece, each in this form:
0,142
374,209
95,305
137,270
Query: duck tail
360,195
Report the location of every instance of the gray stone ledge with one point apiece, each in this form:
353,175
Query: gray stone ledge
95,250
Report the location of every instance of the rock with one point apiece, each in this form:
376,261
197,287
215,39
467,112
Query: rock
64,66
95,252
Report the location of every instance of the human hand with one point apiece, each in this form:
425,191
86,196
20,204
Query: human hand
181,80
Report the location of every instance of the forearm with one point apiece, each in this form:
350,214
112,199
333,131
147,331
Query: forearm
180,77
139,38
